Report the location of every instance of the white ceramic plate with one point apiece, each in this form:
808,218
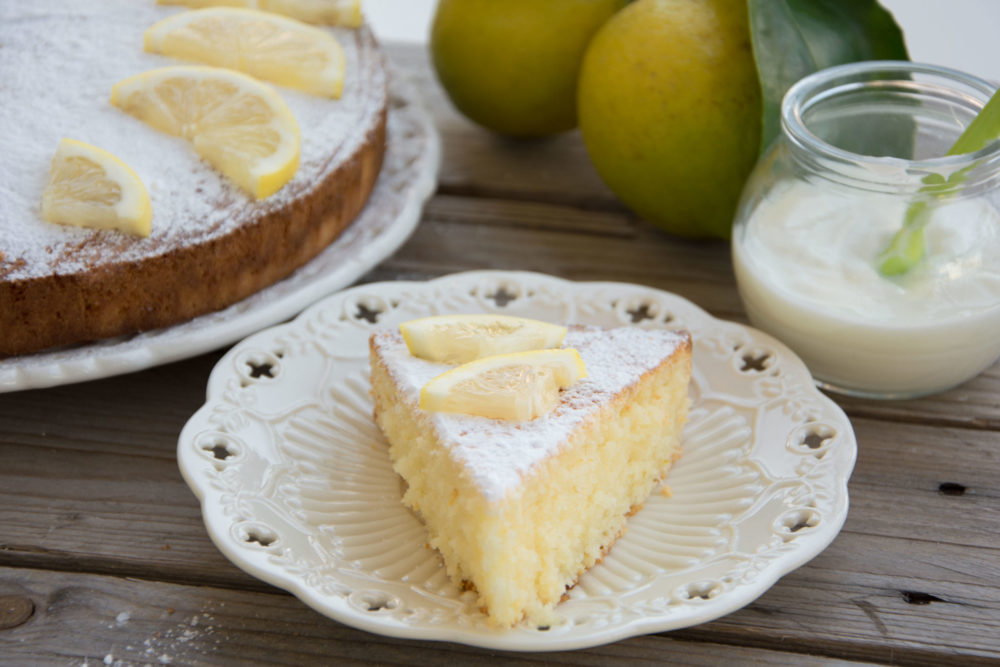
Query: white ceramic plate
296,486
407,179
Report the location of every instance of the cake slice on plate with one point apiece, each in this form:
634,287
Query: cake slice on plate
520,510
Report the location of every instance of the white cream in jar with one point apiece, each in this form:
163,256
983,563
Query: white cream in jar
859,145
807,273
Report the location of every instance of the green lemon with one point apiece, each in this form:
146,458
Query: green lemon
670,111
511,65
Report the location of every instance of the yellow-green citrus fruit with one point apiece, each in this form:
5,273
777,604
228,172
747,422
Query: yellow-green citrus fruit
670,111
512,65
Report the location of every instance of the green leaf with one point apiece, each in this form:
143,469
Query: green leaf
906,248
982,131
794,38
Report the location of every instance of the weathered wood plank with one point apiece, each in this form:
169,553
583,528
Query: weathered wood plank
921,483
974,404
90,482
540,237
911,602
531,216
108,620
91,617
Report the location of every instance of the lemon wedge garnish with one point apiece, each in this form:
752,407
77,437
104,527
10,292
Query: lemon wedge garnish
519,386
270,47
90,187
345,13
456,339
239,125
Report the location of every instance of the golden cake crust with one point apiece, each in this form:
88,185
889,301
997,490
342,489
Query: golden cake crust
106,293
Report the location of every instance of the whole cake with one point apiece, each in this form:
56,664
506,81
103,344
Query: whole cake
211,243
520,509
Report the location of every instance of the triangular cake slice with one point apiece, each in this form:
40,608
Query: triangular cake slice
521,509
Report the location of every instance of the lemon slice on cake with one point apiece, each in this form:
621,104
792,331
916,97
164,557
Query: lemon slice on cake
456,339
270,47
345,13
90,187
519,386
239,125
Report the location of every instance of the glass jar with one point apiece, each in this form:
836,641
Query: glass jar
860,152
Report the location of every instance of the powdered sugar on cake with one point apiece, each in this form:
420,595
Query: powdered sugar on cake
57,83
497,453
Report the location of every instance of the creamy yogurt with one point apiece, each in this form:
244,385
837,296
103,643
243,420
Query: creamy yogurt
806,269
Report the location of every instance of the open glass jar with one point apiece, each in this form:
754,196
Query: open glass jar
859,146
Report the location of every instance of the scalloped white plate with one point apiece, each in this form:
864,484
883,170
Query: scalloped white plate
408,178
297,489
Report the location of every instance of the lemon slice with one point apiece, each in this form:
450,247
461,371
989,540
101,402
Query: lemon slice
519,386
239,125
267,46
90,187
456,339
345,13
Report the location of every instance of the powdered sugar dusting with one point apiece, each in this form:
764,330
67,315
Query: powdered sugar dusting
498,453
58,62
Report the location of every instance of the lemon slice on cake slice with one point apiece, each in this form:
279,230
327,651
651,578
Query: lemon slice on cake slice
520,386
457,339
239,125
90,187
270,47
345,13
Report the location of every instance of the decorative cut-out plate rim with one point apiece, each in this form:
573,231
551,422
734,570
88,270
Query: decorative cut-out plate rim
334,268
777,552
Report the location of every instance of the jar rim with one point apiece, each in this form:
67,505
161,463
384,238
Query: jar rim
796,99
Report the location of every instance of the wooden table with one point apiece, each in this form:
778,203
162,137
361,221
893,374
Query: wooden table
104,558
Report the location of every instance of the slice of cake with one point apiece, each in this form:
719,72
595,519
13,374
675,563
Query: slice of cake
521,509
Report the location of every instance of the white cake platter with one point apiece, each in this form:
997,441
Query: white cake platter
296,486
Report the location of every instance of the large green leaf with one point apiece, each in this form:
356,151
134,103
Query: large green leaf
793,38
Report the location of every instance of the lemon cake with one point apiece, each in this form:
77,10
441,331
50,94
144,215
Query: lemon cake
211,244
519,510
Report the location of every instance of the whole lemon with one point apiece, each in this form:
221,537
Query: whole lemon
670,111
512,65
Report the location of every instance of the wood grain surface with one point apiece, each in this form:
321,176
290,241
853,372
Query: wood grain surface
103,542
